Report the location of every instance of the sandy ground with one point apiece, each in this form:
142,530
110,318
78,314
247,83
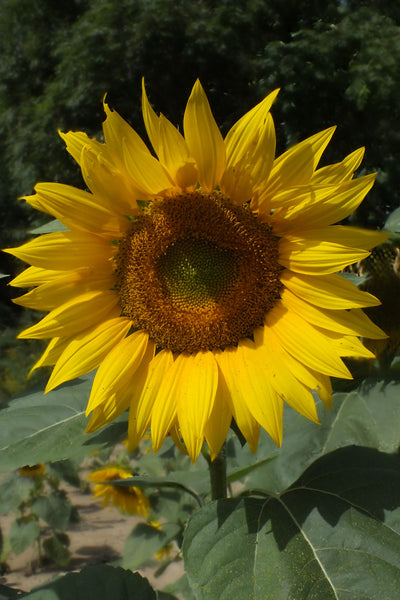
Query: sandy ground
98,537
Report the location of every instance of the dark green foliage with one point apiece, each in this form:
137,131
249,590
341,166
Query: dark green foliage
343,73
93,583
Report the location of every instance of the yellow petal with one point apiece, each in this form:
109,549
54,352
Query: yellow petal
53,293
75,315
230,370
169,145
250,146
305,342
195,399
54,349
353,322
118,132
310,378
113,186
317,256
245,133
64,251
177,439
115,405
174,154
340,171
147,174
297,165
87,350
150,120
242,179
157,369
347,345
77,140
326,250
204,138
117,368
290,389
314,213
35,276
219,422
254,384
328,291
165,405
355,237
146,171
135,387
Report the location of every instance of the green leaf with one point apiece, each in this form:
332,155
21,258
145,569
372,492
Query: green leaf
331,536
66,470
354,278
241,473
366,417
42,428
7,593
50,227
101,582
54,509
393,221
14,490
56,548
144,541
22,534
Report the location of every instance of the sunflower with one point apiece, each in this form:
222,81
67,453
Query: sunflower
33,471
201,279
382,278
129,499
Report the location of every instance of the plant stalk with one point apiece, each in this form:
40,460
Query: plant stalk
218,480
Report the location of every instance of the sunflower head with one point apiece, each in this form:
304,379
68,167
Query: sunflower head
33,471
199,278
382,278
129,499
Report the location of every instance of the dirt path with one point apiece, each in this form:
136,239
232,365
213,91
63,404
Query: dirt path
98,537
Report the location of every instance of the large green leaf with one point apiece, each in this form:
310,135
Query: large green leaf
101,582
7,593
42,428
331,536
366,417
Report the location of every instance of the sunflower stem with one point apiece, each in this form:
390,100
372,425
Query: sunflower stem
218,479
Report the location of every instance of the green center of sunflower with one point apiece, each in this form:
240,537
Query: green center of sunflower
197,272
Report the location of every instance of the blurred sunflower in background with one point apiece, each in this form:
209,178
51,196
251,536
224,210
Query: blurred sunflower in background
380,273
129,499
33,471
201,281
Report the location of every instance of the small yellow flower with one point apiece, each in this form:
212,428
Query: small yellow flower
165,551
202,283
129,500
32,471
